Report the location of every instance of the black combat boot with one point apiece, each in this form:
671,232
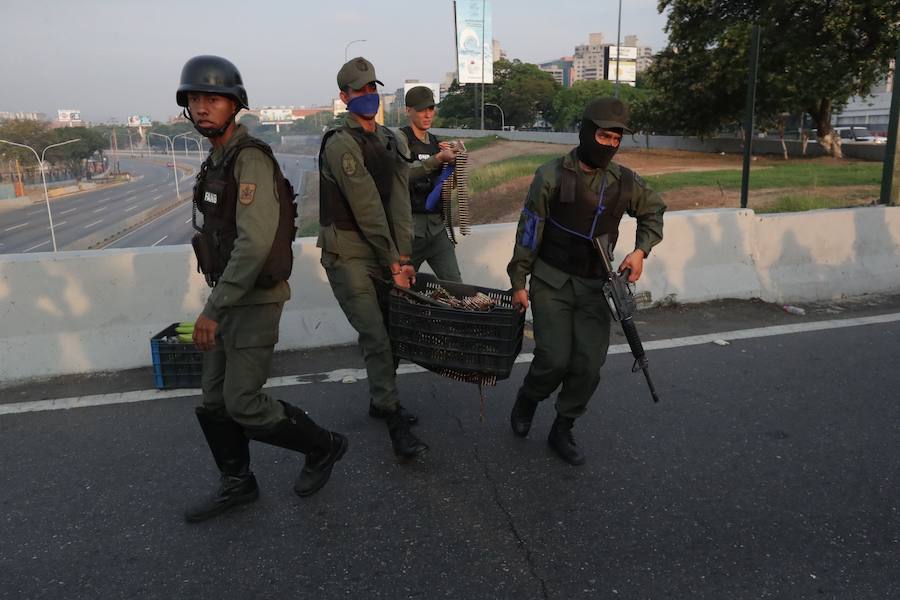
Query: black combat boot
561,440
522,414
230,449
380,413
298,432
406,444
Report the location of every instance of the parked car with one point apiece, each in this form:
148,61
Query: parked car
859,134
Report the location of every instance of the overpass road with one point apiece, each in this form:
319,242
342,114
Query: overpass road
769,470
77,217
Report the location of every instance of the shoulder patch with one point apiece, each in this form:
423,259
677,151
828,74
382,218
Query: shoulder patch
247,192
639,180
348,164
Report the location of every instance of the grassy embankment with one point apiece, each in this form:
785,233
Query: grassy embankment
806,176
803,178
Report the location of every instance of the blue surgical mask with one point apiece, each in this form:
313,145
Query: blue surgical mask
366,105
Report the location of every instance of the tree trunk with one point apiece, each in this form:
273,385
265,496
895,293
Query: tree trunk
828,139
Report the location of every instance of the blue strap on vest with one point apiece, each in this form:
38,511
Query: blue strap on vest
601,206
434,196
529,233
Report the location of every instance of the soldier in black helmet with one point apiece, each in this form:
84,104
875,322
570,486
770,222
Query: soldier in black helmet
573,199
243,247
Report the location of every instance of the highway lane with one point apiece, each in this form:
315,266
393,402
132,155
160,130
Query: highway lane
174,227
80,215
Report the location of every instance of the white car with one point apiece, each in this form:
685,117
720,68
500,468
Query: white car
859,134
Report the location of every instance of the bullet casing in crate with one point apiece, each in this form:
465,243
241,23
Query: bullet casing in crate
175,364
437,337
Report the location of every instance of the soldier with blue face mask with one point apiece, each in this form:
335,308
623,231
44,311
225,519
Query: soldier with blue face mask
366,234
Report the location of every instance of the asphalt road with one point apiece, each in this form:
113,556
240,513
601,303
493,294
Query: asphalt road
174,227
78,216
768,470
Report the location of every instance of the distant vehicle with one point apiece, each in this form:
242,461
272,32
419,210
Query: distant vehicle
169,165
859,134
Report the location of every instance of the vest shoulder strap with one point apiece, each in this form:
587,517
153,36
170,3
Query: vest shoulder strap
567,186
626,192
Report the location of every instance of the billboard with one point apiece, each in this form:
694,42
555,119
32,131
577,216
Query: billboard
139,121
623,53
435,89
276,116
474,36
69,115
627,71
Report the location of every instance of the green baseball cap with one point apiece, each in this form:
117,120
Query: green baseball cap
420,98
607,112
356,74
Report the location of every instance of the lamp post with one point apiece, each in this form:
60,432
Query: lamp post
502,117
171,143
347,47
40,160
187,136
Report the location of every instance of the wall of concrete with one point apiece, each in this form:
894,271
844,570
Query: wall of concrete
84,311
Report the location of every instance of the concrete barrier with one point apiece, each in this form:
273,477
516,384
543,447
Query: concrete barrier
84,311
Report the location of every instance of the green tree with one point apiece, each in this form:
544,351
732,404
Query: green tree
814,55
72,155
522,90
568,105
36,134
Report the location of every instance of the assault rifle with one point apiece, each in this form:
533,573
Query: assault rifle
621,305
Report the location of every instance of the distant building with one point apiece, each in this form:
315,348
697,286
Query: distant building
561,69
644,53
588,62
22,116
872,111
497,51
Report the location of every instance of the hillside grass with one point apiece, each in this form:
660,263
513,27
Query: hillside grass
493,174
798,174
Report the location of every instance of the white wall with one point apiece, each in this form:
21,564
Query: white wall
85,311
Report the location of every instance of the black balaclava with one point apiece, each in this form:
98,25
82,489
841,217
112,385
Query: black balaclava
594,155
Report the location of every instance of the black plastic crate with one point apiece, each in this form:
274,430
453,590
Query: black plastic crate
175,364
438,337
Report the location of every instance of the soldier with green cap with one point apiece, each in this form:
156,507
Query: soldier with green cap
572,200
244,215
366,236
431,242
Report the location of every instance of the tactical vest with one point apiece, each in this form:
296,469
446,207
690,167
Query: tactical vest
576,216
420,187
379,160
216,197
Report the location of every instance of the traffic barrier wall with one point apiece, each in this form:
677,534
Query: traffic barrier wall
85,311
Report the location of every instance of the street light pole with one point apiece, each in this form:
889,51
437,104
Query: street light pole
171,143
347,47
618,48
502,118
187,136
40,160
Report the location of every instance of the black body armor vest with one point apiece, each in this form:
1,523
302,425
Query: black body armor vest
567,240
216,197
379,160
420,187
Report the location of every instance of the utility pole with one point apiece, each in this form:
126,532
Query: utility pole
890,176
748,117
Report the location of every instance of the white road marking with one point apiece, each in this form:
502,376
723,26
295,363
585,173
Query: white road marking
337,375
60,224
130,208
159,240
36,212
16,226
65,212
188,221
92,224
102,208
37,246
156,197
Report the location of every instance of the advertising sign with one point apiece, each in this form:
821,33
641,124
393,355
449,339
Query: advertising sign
69,115
435,89
627,71
276,116
139,121
623,53
474,37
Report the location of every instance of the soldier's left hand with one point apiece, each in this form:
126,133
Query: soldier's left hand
205,333
635,262
410,272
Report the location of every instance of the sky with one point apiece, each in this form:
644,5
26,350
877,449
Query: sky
115,58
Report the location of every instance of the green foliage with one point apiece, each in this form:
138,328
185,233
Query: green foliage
815,54
522,90
89,141
36,134
803,202
473,144
795,174
495,173
569,103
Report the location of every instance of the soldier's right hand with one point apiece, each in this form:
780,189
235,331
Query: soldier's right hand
402,279
520,299
447,153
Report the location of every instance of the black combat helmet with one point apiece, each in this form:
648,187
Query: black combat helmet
212,74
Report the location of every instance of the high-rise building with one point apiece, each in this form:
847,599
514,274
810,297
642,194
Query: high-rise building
588,62
644,53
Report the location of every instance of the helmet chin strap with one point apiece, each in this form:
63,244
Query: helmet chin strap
210,132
